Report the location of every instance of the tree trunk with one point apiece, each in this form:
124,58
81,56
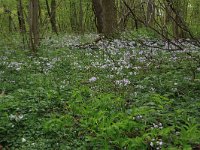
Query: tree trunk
109,17
81,16
150,12
73,16
34,24
21,20
52,15
97,8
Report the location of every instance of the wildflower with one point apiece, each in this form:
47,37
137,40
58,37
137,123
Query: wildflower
16,117
18,68
138,117
93,79
160,124
19,117
155,125
23,140
123,82
160,143
126,82
151,144
12,117
141,52
174,89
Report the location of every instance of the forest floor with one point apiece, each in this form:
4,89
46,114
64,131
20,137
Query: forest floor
117,94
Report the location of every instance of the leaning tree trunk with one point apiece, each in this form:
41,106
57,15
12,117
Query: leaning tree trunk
34,24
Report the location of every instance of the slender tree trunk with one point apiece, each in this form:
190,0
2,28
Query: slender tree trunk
73,16
52,15
21,19
10,23
150,12
81,16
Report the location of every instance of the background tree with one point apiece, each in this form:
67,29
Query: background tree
109,17
173,18
20,13
34,24
52,15
98,11
150,12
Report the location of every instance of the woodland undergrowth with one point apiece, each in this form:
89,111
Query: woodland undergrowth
114,94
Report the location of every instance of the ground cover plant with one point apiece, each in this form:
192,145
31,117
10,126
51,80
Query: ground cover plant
115,94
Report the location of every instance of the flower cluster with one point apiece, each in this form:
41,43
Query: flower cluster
15,65
123,82
159,126
138,117
93,79
156,143
17,117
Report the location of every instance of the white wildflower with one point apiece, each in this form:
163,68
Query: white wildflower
151,144
126,82
18,68
155,125
123,82
160,143
93,79
12,117
16,117
23,140
20,117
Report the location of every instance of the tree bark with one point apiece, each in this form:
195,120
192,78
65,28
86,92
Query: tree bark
150,12
21,19
34,24
109,17
73,16
52,15
97,8
81,14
